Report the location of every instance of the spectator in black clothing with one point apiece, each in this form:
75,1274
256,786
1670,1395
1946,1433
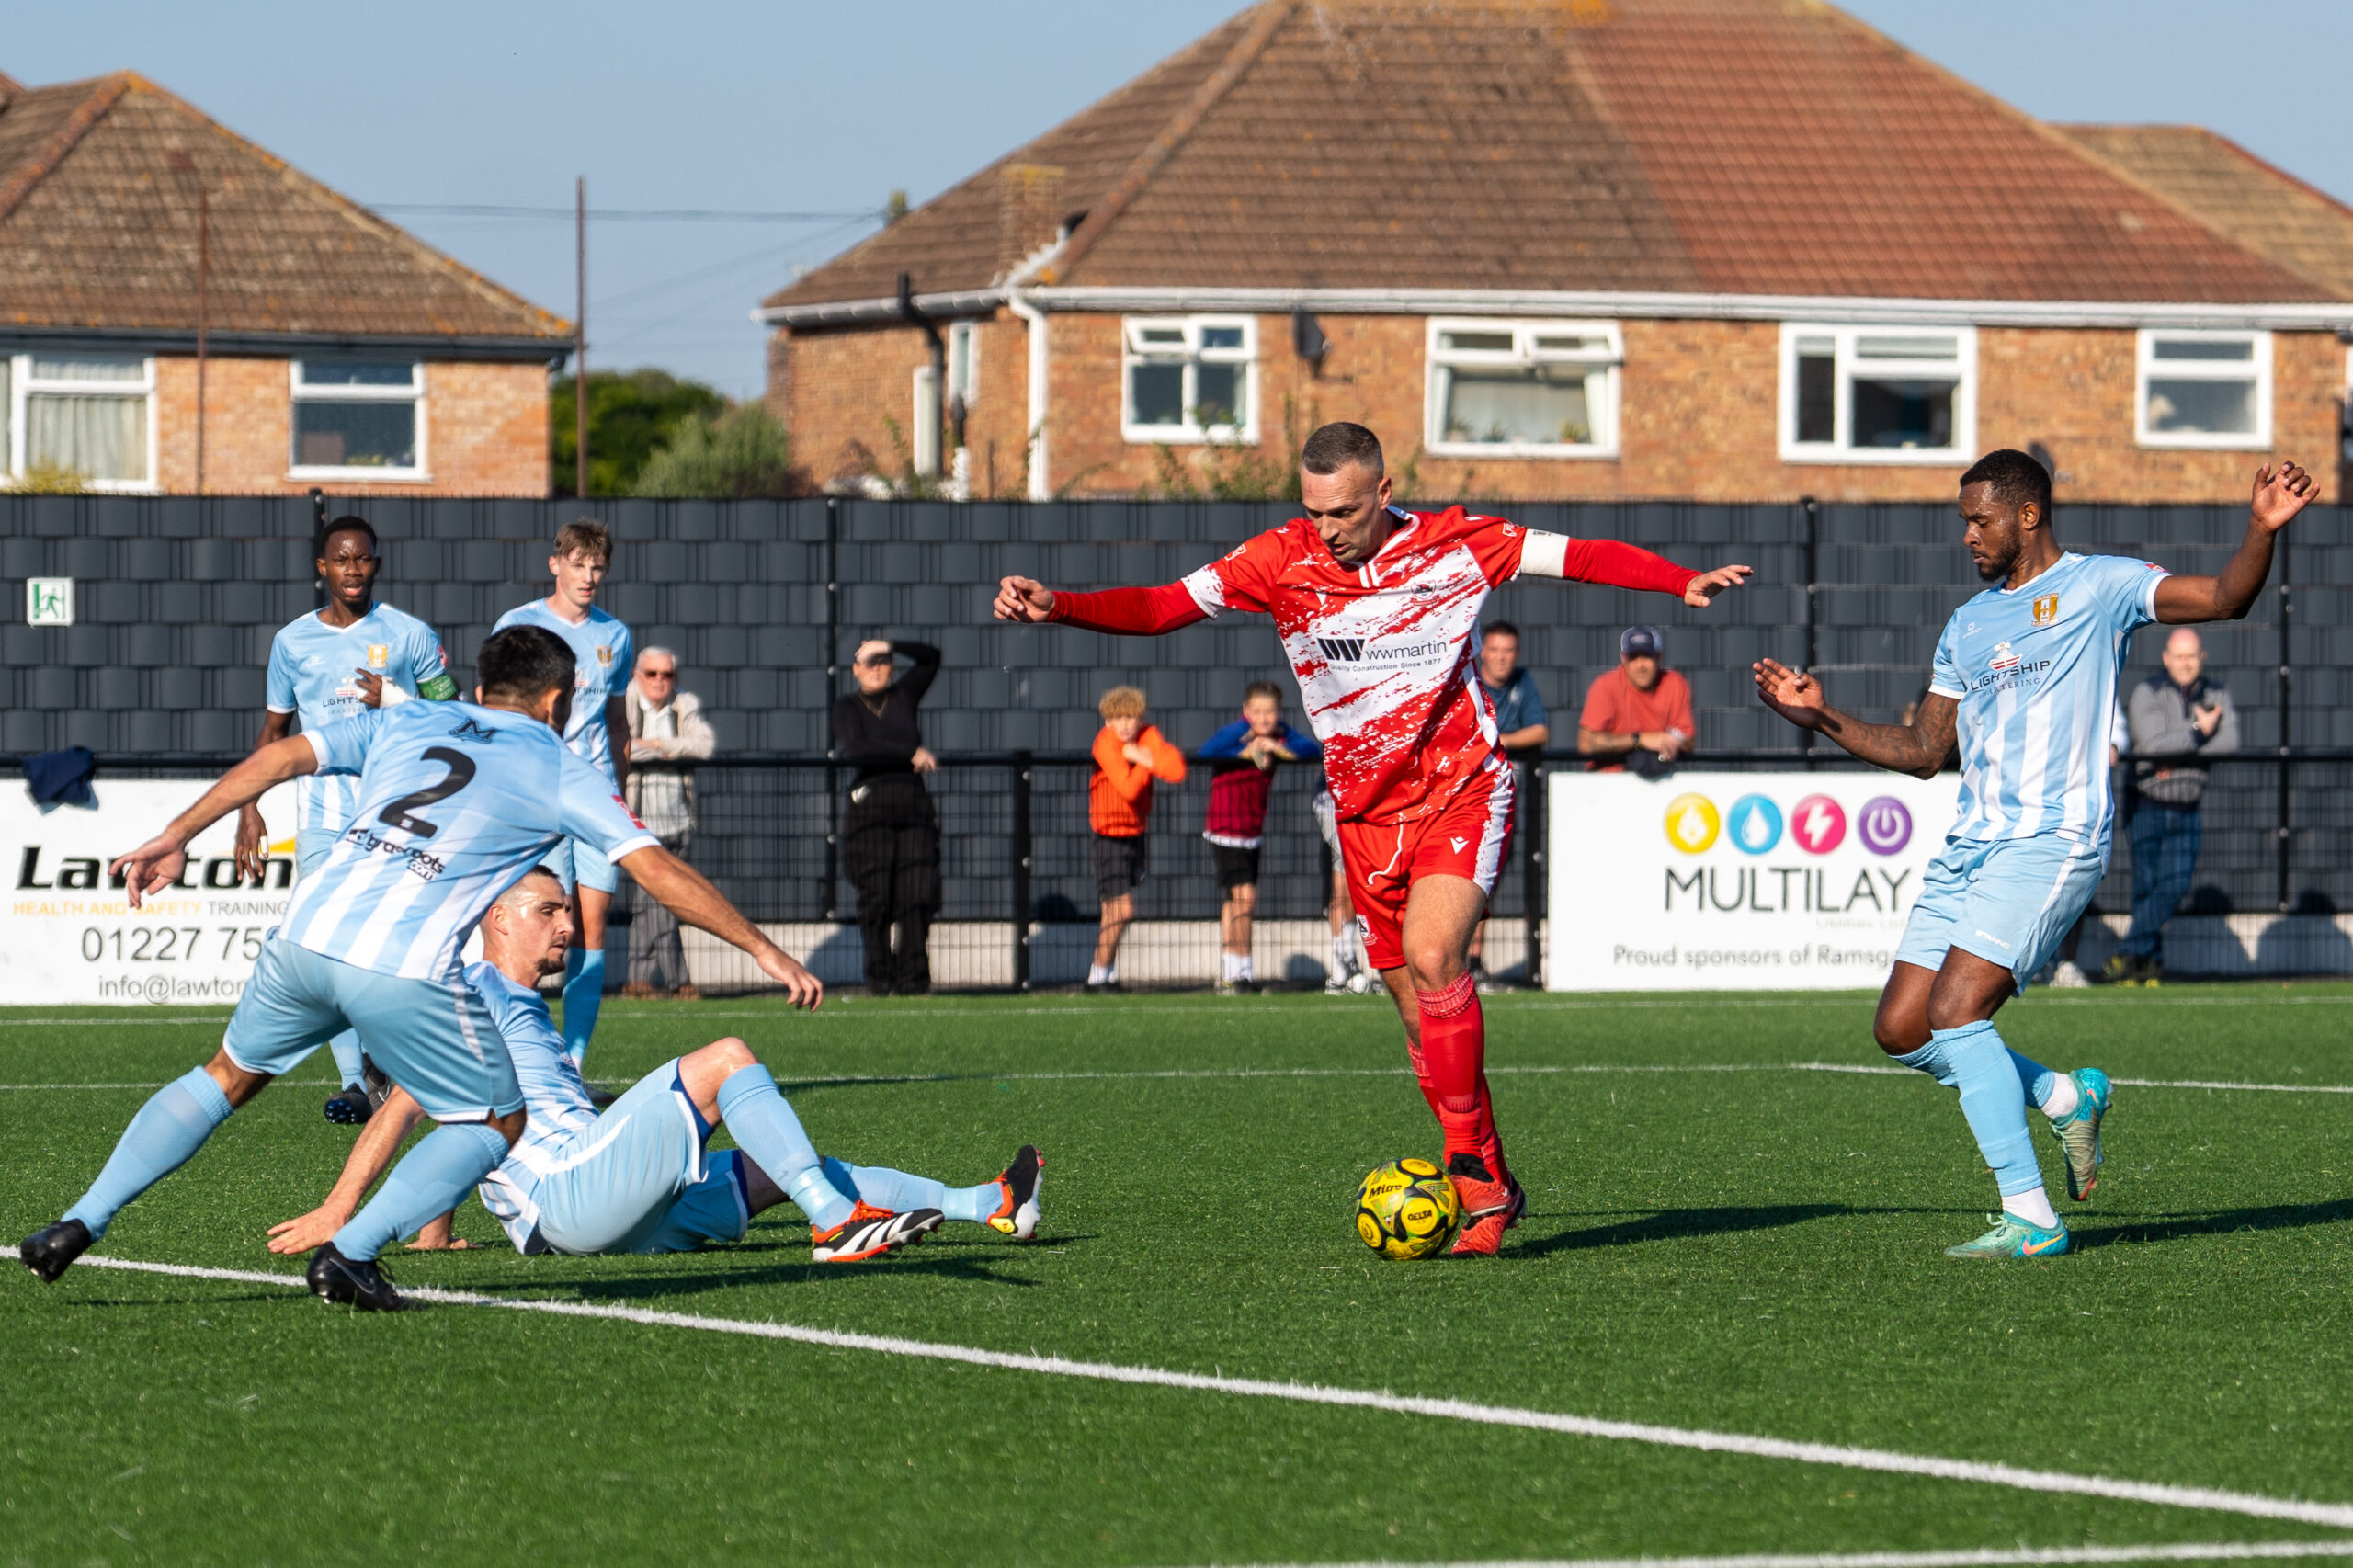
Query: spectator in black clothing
891,836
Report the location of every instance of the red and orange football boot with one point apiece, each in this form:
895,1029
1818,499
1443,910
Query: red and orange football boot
871,1233
1489,1207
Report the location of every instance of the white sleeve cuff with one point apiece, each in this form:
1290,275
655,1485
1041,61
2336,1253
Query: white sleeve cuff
1953,692
1207,591
2149,595
630,846
318,752
1544,555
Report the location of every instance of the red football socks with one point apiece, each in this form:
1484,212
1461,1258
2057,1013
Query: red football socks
1454,1076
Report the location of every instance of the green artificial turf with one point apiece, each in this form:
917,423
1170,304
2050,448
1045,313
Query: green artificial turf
1751,1251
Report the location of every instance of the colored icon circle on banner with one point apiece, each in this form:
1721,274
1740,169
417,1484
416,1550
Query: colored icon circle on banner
1692,822
1818,824
1754,824
1885,824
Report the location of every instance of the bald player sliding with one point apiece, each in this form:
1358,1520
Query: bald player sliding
1378,609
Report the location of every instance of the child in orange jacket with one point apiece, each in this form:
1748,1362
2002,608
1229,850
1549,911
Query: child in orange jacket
1128,754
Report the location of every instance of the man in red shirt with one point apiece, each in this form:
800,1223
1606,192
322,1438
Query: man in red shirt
1378,609
1640,706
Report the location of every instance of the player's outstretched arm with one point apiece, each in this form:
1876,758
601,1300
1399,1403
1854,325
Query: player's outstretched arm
1702,590
1616,564
2279,494
252,854
1129,612
688,893
156,864
370,1158
1918,748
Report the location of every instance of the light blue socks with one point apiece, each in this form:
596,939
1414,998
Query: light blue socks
584,994
433,1180
2037,1081
170,1128
764,1127
1973,1059
346,1047
899,1191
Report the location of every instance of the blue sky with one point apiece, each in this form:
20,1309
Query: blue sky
806,109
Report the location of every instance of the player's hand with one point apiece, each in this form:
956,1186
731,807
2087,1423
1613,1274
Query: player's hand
251,856
923,761
1024,598
802,988
150,868
1794,695
2279,494
1708,584
371,687
308,1232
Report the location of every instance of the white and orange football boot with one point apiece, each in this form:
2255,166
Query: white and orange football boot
1489,1207
1016,1212
871,1233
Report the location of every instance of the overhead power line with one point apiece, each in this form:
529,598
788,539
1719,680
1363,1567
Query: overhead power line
619,214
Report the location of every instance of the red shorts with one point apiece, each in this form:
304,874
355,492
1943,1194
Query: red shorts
1465,838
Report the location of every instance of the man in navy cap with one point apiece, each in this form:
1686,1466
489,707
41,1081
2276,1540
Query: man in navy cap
1639,710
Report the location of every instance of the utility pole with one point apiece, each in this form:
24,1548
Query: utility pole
580,337
203,315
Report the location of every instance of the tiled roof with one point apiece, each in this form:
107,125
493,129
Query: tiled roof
98,184
1711,146
2236,192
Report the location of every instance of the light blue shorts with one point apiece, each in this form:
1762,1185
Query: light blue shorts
573,859
716,1209
2011,901
435,1039
615,1184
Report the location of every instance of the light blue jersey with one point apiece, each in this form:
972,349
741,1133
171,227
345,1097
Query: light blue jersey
313,675
555,1100
2034,670
456,801
602,658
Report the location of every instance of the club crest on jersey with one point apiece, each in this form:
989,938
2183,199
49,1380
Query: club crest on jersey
468,730
1342,650
2003,658
2046,608
378,655
604,653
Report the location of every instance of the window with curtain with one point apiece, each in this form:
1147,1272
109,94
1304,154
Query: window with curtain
364,416
1869,394
2205,389
86,414
1523,388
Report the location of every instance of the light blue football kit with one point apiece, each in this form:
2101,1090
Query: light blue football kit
2034,671
603,657
313,675
455,802
638,1179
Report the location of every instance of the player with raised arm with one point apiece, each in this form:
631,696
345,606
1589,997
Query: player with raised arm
1378,609
457,800
349,656
602,659
638,1179
2025,676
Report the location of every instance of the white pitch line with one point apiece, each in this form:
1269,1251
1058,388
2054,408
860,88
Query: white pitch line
2020,1557
2210,1499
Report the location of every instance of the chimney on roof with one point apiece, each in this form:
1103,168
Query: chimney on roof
1029,213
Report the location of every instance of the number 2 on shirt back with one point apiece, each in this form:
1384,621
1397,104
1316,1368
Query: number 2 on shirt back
460,773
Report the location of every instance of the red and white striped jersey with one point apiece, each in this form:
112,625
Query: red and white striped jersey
1385,655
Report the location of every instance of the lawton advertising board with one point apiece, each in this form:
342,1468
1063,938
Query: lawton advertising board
68,933
1735,881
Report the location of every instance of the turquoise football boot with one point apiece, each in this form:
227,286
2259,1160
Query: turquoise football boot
2012,1237
2078,1131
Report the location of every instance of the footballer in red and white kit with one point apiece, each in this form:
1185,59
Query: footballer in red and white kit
1378,609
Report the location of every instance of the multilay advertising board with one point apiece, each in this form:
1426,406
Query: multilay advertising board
1735,881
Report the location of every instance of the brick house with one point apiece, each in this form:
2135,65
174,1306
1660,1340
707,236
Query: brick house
336,350
1737,250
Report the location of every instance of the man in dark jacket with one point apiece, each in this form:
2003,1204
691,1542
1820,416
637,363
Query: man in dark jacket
2175,717
890,834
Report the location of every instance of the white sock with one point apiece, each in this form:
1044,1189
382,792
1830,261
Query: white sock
2034,1208
1237,966
1344,952
1112,974
1098,974
2063,1097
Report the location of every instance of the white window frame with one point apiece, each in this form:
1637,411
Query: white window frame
2145,364
1839,449
964,356
21,386
1602,411
1190,432
298,392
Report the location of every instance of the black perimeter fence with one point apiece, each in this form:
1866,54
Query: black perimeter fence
178,598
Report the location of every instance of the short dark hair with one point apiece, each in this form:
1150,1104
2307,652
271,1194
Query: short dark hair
348,523
1263,688
1500,629
523,661
1334,446
2015,477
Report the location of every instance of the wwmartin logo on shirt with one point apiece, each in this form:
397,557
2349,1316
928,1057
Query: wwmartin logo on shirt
1364,650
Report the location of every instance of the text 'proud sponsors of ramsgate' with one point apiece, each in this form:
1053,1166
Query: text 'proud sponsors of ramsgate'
1734,880
68,933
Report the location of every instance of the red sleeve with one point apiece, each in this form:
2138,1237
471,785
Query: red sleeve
1600,713
1617,565
1142,612
1498,545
